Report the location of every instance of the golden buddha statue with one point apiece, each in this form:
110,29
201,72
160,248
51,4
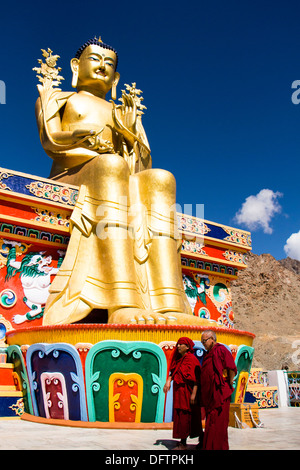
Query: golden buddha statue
124,250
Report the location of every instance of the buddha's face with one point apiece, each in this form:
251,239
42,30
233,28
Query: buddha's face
96,69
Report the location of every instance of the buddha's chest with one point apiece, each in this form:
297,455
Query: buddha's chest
85,112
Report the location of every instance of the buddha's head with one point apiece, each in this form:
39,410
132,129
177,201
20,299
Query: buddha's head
94,68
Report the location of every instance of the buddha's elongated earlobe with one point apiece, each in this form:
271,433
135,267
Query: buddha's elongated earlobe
114,86
74,79
114,92
74,67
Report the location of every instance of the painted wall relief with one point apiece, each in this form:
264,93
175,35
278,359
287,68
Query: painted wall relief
26,273
209,297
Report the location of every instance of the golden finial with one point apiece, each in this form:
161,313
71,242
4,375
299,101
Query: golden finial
48,73
98,39
134,92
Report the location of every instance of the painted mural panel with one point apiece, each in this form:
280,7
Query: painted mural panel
26,273
56,381
209,297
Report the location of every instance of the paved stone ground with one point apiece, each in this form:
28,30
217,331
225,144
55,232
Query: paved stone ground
281,431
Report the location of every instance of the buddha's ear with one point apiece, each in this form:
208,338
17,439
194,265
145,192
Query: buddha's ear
117,78
114,86
74,64
75,68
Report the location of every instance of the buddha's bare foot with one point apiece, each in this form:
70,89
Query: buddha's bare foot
136,316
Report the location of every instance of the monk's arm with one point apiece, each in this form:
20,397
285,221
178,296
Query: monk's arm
231,376
167,385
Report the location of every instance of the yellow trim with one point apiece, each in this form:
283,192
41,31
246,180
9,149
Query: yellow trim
34,224
29,200
7,388
2,418
226,243
205,221
260,388
6,365
215,242
74,334
12,393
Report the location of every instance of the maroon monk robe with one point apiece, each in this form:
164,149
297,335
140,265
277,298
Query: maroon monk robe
215,392
185,373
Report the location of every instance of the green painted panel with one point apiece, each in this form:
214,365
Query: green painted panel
143,358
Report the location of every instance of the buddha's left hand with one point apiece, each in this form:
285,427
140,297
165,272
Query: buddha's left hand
124,117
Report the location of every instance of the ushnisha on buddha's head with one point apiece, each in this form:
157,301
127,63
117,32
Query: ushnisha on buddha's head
94,68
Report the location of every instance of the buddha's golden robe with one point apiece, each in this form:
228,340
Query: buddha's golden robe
124,247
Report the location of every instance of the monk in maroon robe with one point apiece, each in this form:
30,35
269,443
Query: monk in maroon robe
185,373
217,374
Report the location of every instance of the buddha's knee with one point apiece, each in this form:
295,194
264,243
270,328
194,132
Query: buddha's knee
111,166
156,186
160,180
107,176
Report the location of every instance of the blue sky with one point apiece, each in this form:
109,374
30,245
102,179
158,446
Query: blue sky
217,83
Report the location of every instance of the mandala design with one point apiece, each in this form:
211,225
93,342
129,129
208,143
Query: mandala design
227,315
204,313
8,298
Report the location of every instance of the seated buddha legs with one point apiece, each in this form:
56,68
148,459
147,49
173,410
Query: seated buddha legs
123,247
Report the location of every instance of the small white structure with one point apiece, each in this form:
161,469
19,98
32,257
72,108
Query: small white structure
278,378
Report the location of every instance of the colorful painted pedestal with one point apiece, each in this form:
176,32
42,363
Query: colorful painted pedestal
107,380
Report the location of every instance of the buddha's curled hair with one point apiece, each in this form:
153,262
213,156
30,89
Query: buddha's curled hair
97,42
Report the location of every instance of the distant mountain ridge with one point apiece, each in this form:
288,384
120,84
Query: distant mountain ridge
266,299
291,264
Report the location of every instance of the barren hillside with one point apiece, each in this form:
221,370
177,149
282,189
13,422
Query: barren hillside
266,298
